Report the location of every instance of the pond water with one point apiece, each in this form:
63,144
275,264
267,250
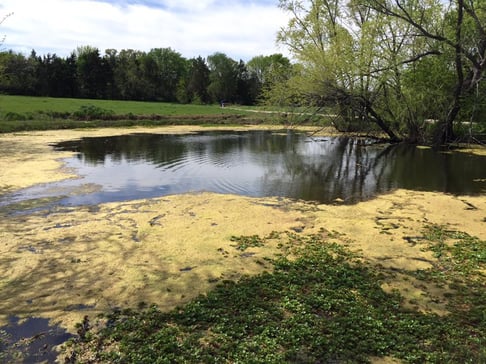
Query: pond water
31,340
255,163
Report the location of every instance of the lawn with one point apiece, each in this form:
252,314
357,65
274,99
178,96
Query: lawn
22,113
35,105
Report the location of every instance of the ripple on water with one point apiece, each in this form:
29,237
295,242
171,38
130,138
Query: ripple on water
257,164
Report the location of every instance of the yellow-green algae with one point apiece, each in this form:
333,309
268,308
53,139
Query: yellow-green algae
75,261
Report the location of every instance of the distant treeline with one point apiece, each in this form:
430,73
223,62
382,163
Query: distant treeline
161,74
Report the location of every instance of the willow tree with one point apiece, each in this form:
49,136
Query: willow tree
458,36
2,40
370,60
338,46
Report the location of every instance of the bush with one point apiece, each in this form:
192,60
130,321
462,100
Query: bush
14,116
91,112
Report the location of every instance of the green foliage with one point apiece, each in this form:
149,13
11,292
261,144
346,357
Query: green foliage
161,74
92,112
222,77
399,64
320,304
458,253
14,116
91,73
197,82
244,242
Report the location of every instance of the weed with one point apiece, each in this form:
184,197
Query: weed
322,305
92,112
245,242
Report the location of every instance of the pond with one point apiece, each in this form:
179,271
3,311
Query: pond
255,163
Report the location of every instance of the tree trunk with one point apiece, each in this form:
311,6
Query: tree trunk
380,122
446,131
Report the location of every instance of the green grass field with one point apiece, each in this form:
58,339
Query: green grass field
35,105
23,113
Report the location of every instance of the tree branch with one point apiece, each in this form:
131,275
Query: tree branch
410,60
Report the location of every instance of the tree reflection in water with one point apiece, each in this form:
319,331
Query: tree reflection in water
264,163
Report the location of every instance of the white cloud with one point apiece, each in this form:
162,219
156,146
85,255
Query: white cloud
241,29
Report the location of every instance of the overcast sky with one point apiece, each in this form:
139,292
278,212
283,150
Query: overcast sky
241,29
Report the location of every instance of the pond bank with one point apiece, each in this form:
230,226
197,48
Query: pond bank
67,262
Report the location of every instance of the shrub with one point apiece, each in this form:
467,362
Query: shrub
91,112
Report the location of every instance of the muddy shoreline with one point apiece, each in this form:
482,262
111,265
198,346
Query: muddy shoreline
68,262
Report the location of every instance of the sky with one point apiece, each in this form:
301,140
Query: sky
241,29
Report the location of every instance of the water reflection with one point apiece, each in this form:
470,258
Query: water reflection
260,163
31,340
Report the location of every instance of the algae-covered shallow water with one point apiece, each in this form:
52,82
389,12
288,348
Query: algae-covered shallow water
255,164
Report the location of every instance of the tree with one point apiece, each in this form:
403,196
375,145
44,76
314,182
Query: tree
92,73
268,71
460,33
110,59
246,85
262,67
129,77
18,73
55,76
2,39
336,49
371,59
222,77
197,81
170,69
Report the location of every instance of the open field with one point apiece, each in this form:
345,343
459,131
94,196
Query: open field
23,113
31,104
28,104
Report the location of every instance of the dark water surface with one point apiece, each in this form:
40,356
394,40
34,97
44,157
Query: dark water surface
30,341
256,163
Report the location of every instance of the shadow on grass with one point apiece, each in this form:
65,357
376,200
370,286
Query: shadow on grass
320,305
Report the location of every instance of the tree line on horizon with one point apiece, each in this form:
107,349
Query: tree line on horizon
162,74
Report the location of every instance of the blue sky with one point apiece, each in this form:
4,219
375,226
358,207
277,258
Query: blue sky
241,29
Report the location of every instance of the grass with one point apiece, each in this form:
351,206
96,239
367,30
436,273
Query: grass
33,105
320,304
23,113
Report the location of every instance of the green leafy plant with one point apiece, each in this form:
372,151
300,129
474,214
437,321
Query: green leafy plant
320,304
92,112
245,242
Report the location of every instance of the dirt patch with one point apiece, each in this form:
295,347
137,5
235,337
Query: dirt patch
67,262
